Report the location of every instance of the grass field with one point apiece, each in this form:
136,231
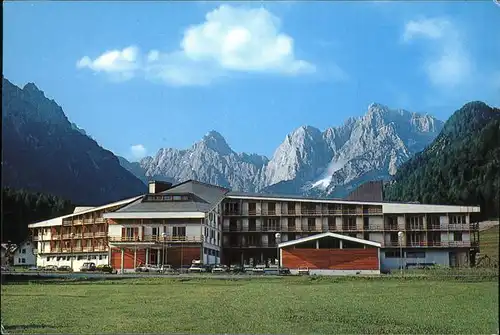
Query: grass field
488,242
259,306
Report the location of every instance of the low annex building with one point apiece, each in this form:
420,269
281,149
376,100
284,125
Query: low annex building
176,224
331,254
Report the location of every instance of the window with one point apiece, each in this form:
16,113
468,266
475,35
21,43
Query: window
252,208
205,251
232,207
291,207
217,253
79,258
179,231
23,251
252,225
23,260
291,224
100,257
392,254
271,225
331,223
415,255
457,237
48,259
271,207
458,219
311,224
155,231
19,260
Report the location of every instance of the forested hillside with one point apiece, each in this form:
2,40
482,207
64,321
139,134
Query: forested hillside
20,208
462,166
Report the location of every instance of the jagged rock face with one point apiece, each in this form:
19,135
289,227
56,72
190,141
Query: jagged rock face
308,161
44,152
210,160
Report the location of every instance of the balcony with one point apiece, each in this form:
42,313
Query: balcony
100,248
87,249
66,236
100,220
391,227
351,211
268,212
77,249
56,249
88,221
417,244
56,236
35,238
232,213
332,211
153,238
78,222
271,228
459,227
77,235
88,235
306,212
252,212
350,228
100,234
415,227
390,244
372,211
67,222
288,212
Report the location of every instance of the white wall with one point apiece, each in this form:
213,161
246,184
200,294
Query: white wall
27,257
60,260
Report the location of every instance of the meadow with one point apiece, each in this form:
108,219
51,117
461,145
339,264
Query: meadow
294,305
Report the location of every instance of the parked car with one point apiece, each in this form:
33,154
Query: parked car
259,269
88,266
65,268
50,268
220,268
34,268
236,268
303,271
197,268
284,271
247,268
167,268
105,268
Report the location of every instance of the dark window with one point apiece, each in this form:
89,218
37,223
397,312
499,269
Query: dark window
415,254
392,254
457,237
252,207
205,251
311,224
179,231
252,225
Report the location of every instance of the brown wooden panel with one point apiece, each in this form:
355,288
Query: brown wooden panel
331,259
188,255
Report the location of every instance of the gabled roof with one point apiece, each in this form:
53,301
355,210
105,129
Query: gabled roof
58,220
328,234
81,209
203,197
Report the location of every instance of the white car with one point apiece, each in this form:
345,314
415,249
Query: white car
148,268
167,268
199,268
220,268
259,269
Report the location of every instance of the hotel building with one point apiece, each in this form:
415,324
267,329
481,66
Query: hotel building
175,224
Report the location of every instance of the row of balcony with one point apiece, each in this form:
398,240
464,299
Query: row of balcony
155,238
429,244
75,235
350,228
447,244
79,222
79,249
292,212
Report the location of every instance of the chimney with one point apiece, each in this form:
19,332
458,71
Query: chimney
156,186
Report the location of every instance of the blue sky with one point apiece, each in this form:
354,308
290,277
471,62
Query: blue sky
142,76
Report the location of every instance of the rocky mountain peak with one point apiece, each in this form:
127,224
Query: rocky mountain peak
215,141
31,88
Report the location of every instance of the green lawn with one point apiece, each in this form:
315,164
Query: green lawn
259,306
488,242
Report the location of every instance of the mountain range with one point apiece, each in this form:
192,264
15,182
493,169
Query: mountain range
44,152
461,166
309,161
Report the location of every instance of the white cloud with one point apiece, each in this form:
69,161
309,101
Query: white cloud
138,151
447,63
117,62
230,40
